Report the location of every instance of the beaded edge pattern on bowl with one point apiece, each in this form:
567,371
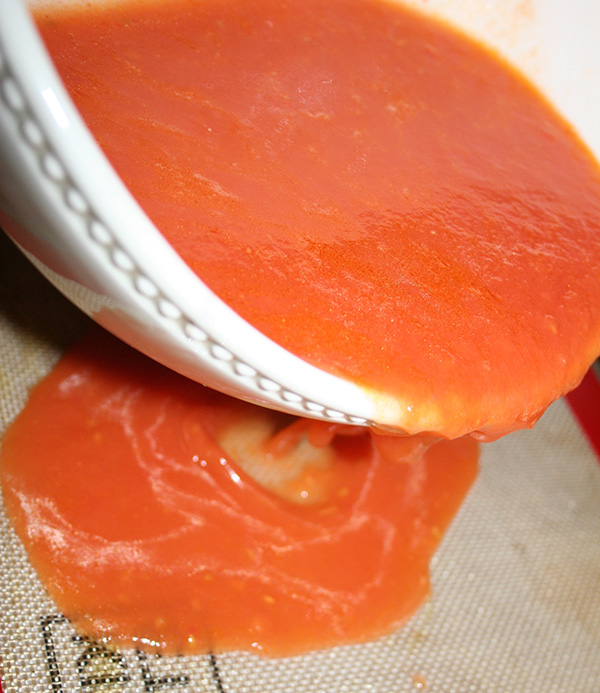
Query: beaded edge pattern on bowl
56,172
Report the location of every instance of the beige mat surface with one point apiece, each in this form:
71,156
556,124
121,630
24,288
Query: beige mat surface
516,583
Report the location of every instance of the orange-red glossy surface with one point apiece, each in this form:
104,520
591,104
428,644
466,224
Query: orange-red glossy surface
144,530
367,187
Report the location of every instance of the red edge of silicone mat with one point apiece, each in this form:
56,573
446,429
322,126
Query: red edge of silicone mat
585,405
584,402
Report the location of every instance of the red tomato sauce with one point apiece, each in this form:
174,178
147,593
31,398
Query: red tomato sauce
148,533
370,189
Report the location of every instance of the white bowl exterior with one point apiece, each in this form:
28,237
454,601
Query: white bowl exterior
65,206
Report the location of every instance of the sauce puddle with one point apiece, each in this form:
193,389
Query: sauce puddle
147,532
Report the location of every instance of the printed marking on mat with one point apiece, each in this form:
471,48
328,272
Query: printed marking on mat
77,663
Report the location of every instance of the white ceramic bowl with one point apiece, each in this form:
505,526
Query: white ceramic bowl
62,203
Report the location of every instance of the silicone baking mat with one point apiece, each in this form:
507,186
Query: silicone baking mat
516,583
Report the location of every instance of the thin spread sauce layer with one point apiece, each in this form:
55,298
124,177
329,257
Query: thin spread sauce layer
121,479
370,189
